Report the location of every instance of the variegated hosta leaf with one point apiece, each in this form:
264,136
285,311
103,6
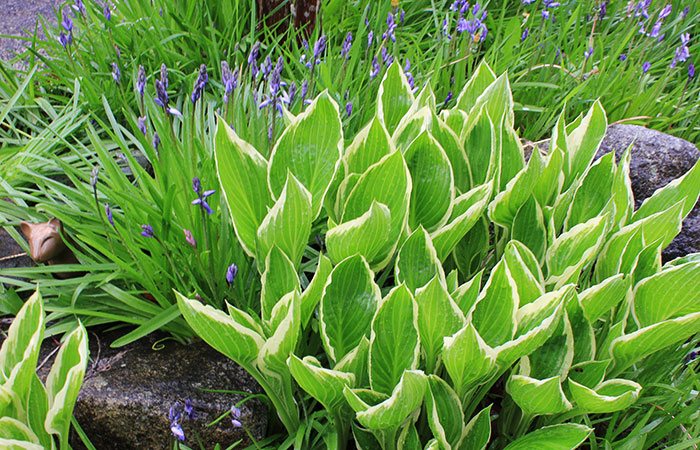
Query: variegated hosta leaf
554,356
671,293
408,438
394,344
310,148
537,397
584,345
609,396
37,408
455,120
242,173
583,141
506,204
368,235
684,189
548,186
468,359
466,211
277,349
622,190
411,126
279,278
574,249
406,396
497,99
287,224
599,299
314,291
417,261
530,229
480,141
14,444
494,313
589,373
356,362
370,145
566,436
477,433
20,350
13,429
482,78
324,385
470,251
438,316
387,182
64,381
525,271
219,330
444,412
450,142
348,304
511,156
433,183
593,193
465,295
394,97
629,348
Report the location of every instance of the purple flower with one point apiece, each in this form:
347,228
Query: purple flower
448,98
623,57
402,16
587,54
67,23
319,48
107,12
387,57
304,89
446,29
141,81
347,45
462,25
177,431
691,70
197,187
189,409
64,39
235,416
156,140
603,10
665,12
685,12
93,177
656,29
79,6
545,14
528,2
147,231
370,38
199,83
108,212
254,53
348,108
231,273
190,240
116,74
391,27
291,93
375,69
141,123
524,35
646,66
685,38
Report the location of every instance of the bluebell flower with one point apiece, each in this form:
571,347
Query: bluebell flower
229,79
147,231
391,27
156,140
370,38
67,23
291,93
603,10
526,31
304,89
177,431
347,45
348,108
646,66
116,74
231,273
587,54
319,48
375,69
141,81
141,124
79,6
623,57
201,200
528,2
446,29
691,70
656,29
235,417
665,12
685,12
448,98
93,177
189,409
107,12
64,39
108,212
254,53
190,240
199,83
462,25
402,16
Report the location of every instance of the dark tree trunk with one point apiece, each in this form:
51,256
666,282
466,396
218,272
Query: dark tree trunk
306,13
275,13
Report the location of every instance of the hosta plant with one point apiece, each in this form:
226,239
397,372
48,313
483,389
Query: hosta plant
34,416
455,282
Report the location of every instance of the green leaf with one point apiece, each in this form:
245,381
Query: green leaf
64,381
364,439
324,385
548,186
367,235
414,123
506,204
13,429
679,287
417,262
373,186
433,183
589,373
314,291
242,173
584,344
450,143
465,296
357,362
574,249
287,224
455,120
470,252
477,433
482,78
468,359
219,330
525,271
529,228
511,157
394,97
609,396
583,142
599,299
684,189
444,412
277,349
466,211
310,149
37,407
409,439
480,143
279,278
394,345
20,350
494,313
405,397
554,356
370,145
348,305
13,444
438,316
622,190
537,397
497,99
566,436
593,193
630,348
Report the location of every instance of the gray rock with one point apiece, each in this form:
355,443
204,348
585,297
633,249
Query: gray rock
657,159
127,392
19,18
